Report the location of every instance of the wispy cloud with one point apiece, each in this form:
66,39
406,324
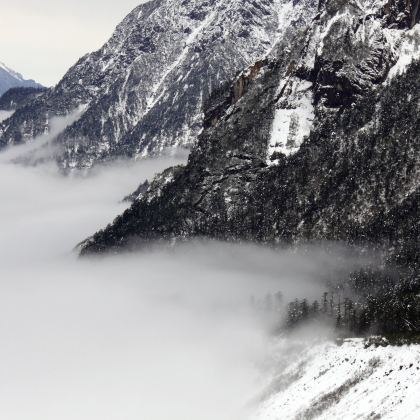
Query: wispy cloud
36,148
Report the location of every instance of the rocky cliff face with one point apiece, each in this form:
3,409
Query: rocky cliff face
320,142
144,89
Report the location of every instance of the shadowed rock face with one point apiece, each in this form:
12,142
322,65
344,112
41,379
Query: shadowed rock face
144,89
402,13
354,177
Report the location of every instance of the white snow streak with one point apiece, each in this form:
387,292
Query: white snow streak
153,99
4,115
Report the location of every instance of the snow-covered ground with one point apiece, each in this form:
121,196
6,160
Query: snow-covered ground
348,381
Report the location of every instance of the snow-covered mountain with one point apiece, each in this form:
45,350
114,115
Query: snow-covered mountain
144,90
320,141
11,79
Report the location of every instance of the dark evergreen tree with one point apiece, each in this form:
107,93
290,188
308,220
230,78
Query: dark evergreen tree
325,303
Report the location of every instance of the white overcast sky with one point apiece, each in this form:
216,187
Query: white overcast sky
42,38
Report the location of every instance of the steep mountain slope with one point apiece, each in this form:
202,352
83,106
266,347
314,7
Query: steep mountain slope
321,142
326,381
18,97
144,89
11,79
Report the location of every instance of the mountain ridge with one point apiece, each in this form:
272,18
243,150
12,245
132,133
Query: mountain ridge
11,79
143,90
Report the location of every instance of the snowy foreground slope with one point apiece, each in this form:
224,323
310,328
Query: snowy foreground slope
329,381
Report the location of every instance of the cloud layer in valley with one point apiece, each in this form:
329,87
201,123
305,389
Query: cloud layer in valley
156,335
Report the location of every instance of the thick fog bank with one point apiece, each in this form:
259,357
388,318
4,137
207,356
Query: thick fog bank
155,335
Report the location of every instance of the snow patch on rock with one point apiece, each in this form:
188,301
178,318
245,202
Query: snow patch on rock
407,44
4,115
293,118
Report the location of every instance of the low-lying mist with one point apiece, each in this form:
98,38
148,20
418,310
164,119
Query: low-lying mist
154,335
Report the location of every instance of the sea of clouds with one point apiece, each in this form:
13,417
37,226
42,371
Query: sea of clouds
155,334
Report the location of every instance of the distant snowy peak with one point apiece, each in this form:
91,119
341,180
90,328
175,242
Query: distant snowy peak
11,79
12,73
